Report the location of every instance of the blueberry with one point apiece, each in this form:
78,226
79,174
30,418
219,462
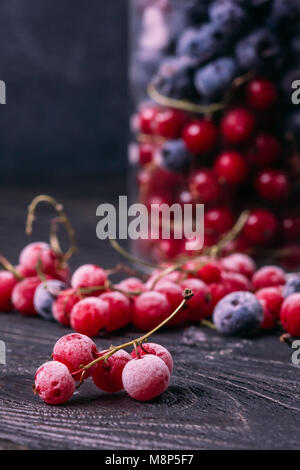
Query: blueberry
260,50
176,156
213,79
203,43
285,16
175,78
196,10
229,15
239,313
292,285
44,297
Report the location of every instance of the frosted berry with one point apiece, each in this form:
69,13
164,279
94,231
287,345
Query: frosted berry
268,276
89,275
219,219
7,283
131,284
230,167
199,306
89,316
173,292
63,305
146,117
204,186
272,185
145,378
239,313
168,123
269,321
108,375
75,350
235,281
237,125
119,310
210,272
37,252
273,297
292,285
54,383
200,136
150,309
261,227
239,263
261,93
290,314
145,153
155,350
23,294
45,295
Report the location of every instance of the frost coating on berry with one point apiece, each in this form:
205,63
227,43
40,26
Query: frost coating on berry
268,276
132,284
22,295
146,378
63,305
156,350
273,298
108,375
199,306
150,309
239,313
88,275
89,316
290,314
239,263
7,283
45,295
54,383
119,308
292,285
37,252
75,350
173,292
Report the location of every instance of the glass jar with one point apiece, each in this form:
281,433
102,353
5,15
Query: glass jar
215,120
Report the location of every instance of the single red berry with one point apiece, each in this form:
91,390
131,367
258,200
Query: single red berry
150,309
146,118
204,186
169,123
23,294
261,93
89,275
261,227
219,220
145,153
74,351
145,378
272,185
173,277
290,314
7,283
273,298
268,321
268,276
107,375
230,167
291,228
35,253
155,350
235,281
63,305
239,263
200,136
89,316
131,284
199,306
237,125
210,273
54,383
264,151
217,292
119,309
173,292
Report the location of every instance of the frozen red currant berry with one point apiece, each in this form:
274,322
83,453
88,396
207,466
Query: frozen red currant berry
264,151
150,309
169,123
261,227
89,275
268,276
218,290
269,321
63,305
235,281
107,375
146,117
119,309
156,350
173,292
230,167
146,378
54,383
200,136
219,219
291,228
239,263
261,93
273,298
145,153
23,294
204,186
35,253
210,272
89,316
199,306
290,314
75,350
237,125
7,283
131,284
272,185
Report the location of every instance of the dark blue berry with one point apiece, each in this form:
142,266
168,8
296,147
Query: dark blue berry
292,285
214,78
45,295
175,78
196,10
175,156
239,313
230,16
285,16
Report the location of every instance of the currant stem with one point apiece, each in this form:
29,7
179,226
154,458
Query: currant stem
187,294
9,267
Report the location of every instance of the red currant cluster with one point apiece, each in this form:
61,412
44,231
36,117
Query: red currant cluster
235,161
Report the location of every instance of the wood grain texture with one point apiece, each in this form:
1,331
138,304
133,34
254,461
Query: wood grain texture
225,393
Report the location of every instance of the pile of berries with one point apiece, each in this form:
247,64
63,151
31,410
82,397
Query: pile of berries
144,374
242,55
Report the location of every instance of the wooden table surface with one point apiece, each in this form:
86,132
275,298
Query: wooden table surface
225,393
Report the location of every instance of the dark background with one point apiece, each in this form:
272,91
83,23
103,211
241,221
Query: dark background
65,66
